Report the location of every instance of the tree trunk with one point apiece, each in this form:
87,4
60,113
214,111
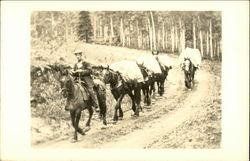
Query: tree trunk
101,32
141,40
138,35
150,35
182,36
94,28
163,36
111,30
153,27
201,43
207,46
215,49
105,33
122,33
176,38
194,36
111,27
166,40
147,46
172,38
129,36
211,40
158,40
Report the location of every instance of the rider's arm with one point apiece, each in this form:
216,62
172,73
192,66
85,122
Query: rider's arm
86,69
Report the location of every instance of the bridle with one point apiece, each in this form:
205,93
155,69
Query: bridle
189,66
119,79
64,89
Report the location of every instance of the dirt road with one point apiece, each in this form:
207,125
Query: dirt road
155,124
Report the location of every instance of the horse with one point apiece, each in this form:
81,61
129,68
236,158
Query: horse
189,72
160,79
119,88
150,69
78,100
146,85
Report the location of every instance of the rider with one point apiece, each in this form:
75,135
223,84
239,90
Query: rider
82,73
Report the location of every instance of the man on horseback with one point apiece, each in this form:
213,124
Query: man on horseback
82,73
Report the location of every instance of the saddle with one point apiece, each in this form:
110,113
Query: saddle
84,90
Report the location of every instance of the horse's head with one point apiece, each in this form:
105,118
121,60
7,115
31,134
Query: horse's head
187,65
165,69
188,71
66,82
143,70
111,77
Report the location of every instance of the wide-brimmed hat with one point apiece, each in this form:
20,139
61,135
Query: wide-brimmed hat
78,52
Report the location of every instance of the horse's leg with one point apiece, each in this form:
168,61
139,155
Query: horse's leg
120,109
186,81
187,84
91,111
120,112
159,87
101,96
137,98
152,89
144,92
194,70
193,75
163,85
118,106
103,106
78,116
73,121
148,96
162,81
133,102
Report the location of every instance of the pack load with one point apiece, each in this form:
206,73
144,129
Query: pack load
129,70
150,63
193,54
164,60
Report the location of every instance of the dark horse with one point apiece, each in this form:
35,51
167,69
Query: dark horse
160,78
147,84
189,72
78,100
119,88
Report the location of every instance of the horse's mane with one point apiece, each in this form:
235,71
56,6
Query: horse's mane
116,77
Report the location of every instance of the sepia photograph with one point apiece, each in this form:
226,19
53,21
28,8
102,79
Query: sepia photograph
124,80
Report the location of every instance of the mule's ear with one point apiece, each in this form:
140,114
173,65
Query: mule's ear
107,67
157,52
170,67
